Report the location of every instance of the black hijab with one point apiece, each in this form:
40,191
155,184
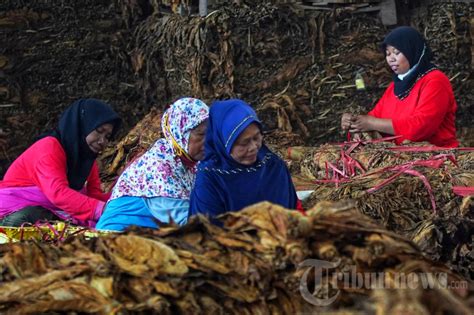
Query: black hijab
79,120
412,44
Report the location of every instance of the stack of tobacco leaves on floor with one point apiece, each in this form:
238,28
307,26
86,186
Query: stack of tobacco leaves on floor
315,162
407,189
246,265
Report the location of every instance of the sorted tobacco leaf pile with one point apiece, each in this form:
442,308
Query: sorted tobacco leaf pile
247,266
409,192
357,157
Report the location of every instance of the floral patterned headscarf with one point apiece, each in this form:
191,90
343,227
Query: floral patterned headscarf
160,171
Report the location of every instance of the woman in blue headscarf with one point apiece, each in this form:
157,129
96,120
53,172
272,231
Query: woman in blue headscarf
238,169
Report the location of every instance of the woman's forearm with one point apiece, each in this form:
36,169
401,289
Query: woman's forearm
363,123
382,125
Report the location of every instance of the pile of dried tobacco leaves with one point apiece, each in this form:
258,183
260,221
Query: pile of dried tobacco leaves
247,266
411,190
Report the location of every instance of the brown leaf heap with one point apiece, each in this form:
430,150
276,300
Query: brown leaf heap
405,204
247,265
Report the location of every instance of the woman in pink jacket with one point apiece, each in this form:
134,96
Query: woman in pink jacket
57,177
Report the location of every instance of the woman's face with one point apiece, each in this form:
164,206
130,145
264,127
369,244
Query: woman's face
98,139
247,145
196,141
396,60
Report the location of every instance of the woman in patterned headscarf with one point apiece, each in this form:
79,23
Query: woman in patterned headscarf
158,184
419,104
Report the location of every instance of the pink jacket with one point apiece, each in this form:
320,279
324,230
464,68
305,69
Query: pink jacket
43,165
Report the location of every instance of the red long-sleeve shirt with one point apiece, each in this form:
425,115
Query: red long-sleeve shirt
427,114
44,165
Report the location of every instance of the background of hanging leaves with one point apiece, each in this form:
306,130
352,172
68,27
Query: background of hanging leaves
298,71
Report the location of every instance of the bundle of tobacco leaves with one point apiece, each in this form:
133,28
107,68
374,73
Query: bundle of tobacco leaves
407,189
255,261
354,158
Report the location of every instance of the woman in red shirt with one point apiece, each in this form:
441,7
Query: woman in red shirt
57,177
419,104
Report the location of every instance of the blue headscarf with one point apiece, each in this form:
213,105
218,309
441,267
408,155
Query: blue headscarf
414,47
223,184
76,123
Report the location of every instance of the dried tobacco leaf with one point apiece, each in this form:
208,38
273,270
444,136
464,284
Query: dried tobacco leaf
144,257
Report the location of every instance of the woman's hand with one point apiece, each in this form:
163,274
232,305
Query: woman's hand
361,123
364,123
346,121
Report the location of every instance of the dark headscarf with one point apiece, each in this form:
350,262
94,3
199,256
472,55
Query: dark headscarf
76,123
237,185
412,44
